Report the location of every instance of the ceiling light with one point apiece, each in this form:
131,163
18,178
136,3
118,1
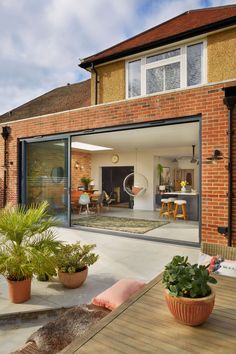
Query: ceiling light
193,159
89,147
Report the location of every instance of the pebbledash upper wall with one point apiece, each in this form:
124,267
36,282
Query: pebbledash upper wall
221,66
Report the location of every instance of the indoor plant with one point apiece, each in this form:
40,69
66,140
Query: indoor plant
86,181
27,244
183,186
73,262
189,297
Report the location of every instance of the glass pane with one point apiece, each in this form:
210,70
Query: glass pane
134,78
47,176
172,76
166,55
194,64
155,80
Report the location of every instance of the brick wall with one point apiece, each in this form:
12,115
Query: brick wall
234,179
207,101
83,169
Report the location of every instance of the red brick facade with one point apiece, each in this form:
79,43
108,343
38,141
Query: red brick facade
206,101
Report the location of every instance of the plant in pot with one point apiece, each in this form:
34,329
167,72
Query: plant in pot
160,170
27,242
189,297
86,181
73,262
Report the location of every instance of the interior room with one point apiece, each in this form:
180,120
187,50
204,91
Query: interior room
127,175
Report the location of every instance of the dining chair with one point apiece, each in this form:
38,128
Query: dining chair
97,202
84,200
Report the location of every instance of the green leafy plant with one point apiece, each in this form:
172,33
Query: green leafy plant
160,170
183,279
86,181
75,258
27,242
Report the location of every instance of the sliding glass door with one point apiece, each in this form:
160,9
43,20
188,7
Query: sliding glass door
45,176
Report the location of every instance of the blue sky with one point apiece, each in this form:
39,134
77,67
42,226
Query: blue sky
42,41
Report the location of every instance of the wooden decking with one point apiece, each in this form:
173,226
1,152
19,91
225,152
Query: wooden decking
144,325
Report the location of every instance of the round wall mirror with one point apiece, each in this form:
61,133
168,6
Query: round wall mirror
57,174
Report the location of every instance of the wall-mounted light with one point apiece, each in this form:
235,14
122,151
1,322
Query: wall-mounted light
78,166
216,156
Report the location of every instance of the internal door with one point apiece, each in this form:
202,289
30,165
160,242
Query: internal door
45,176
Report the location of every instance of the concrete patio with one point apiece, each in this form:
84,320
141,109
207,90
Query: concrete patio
119,257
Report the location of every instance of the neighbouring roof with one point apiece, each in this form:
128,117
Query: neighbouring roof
61,99
186,25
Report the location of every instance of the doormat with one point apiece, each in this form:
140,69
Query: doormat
136,226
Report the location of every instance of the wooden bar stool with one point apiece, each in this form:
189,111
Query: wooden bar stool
171,206
182,204
164,207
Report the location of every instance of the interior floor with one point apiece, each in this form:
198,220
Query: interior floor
178,230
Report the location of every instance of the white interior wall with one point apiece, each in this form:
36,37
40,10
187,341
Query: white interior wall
144,162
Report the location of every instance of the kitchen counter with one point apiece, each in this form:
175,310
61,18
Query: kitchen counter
181,193
192,199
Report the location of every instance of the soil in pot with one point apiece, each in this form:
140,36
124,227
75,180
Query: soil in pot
19,290
73,280
192,312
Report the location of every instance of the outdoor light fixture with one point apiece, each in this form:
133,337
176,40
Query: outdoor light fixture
216,156
5,132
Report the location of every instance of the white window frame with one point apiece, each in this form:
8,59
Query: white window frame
182,58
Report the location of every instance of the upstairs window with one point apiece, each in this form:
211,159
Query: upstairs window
194,64
134,78
173,69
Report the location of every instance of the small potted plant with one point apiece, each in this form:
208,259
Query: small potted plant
189,297
183,186
27,242
73,262
86,181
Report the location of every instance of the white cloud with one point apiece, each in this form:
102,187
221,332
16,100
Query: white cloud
42,41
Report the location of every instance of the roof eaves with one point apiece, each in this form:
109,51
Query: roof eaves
168,40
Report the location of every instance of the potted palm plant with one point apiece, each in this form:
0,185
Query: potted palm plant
189,297
27,244
73,262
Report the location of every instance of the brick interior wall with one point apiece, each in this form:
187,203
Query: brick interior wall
83,170
207,101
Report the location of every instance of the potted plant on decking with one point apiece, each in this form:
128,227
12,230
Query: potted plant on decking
27,242
189,297
73,262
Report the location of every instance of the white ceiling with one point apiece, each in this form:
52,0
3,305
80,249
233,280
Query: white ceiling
171,136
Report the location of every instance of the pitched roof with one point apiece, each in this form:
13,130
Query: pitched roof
186,25
63,98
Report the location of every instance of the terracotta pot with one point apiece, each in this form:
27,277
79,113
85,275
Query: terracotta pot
73,280
19,290
192,312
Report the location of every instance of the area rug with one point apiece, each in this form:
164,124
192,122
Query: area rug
137,226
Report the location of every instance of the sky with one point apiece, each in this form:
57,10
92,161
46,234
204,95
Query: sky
42,41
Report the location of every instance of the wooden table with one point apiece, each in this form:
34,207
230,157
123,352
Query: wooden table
144,325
